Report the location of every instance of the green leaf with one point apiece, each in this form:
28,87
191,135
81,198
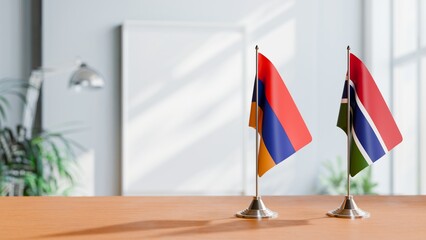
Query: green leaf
2,113
20,95
4,101
30,180
47,162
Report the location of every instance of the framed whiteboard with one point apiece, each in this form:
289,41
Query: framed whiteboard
184,109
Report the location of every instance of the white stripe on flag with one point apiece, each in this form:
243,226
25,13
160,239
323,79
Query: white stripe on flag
361,148
369,120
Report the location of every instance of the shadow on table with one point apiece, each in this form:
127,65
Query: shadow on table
194,226
238,225
131,227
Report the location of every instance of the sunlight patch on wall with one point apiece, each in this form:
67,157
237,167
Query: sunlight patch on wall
184,117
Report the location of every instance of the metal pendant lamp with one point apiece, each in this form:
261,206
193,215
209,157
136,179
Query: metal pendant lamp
86,77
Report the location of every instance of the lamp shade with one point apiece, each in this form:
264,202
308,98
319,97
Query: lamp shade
86,77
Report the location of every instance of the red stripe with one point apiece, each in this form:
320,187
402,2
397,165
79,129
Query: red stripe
372,99
282,104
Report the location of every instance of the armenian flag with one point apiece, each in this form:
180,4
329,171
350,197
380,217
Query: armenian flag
281,127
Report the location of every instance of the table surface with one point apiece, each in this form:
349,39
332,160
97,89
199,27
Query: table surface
300,217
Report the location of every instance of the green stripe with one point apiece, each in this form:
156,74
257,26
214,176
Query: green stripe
343,116
358,161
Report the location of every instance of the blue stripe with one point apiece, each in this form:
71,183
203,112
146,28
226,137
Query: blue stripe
273,133
363,130
262,96
345,90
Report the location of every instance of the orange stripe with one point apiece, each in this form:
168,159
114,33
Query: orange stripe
265,159
252,120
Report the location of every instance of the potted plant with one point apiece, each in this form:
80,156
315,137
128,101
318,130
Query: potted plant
32,166
334,180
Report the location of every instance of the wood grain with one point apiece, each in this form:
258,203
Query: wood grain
300,217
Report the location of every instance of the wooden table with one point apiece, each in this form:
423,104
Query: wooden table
301,217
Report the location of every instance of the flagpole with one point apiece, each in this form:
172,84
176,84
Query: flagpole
348,209
257,208
257,122
349,134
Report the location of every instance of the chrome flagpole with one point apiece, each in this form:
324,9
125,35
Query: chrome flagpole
257,121
348,209
257,208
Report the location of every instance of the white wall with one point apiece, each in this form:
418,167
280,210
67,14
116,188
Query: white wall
400,76
15,48
306,40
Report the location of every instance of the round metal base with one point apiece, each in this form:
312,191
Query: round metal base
349,209
257,209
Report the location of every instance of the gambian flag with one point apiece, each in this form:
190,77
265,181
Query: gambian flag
281,127
374,131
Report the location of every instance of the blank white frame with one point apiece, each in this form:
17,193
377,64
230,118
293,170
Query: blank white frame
129,26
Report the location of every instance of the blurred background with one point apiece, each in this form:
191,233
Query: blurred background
172,116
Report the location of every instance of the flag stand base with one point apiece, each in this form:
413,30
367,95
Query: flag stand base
257,209
348,209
